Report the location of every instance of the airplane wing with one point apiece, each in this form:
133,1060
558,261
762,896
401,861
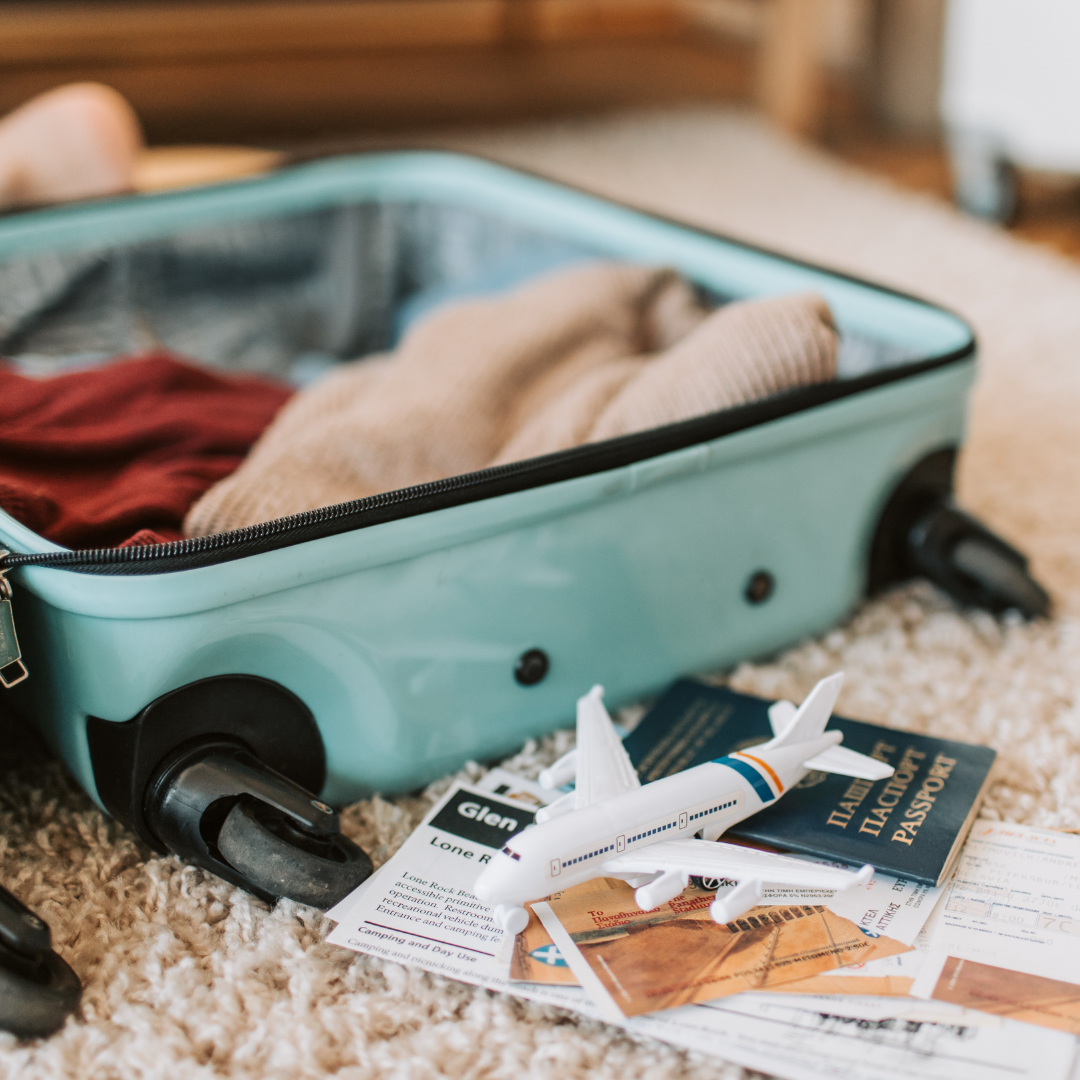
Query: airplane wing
560,772
709,859
839,759
603,765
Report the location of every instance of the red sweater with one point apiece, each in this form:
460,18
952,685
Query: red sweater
96,458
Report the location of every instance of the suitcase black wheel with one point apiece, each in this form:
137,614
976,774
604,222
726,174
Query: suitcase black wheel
923,532
218,806
958,553
38,991
178,770
264,845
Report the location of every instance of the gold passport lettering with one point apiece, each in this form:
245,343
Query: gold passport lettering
893,792
858,789
924,799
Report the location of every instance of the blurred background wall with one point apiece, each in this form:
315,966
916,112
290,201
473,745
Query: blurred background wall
864,78
269,69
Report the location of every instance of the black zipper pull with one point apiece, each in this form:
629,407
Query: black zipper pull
12,669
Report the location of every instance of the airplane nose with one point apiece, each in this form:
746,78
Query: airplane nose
490,882
482,888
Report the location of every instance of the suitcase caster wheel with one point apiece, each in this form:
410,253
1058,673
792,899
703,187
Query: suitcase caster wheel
219,807
38,991
922,532
962,556
264,845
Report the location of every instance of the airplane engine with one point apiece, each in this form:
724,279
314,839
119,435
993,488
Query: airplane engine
666,887
730,905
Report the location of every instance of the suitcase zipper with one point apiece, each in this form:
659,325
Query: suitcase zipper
453,491
222,547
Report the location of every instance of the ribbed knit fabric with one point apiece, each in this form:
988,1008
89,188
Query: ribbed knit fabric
577,356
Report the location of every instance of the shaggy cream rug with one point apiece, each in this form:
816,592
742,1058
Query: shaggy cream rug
188,977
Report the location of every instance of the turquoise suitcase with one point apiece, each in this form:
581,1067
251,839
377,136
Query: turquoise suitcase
373,646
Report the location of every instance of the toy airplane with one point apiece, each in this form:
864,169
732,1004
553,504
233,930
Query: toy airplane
611,826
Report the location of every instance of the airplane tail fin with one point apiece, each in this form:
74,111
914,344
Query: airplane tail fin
806,724
781,713
812,715
604,768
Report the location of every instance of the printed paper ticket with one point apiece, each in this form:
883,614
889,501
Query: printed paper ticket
1006,936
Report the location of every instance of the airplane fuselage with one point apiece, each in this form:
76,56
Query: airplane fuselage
709,798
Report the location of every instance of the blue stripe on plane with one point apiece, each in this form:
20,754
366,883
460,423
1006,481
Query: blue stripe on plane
764,792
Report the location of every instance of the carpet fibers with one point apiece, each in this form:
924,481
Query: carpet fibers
188,977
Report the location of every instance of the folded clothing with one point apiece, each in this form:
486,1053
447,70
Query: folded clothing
119,453
581,355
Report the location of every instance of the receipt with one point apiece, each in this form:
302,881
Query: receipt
883,906
1006,937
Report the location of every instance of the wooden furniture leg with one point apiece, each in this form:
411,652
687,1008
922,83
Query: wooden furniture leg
790,83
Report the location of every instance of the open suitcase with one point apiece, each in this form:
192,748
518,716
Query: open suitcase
372,646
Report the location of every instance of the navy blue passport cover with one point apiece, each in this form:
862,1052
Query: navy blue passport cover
911,825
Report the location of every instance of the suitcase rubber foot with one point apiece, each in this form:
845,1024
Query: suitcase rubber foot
760,587
531,667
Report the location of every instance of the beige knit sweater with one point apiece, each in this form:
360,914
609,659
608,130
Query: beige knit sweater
578,356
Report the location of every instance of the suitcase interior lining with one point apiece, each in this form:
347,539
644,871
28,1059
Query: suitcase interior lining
291,295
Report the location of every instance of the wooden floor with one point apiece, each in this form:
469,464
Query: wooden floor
1049,212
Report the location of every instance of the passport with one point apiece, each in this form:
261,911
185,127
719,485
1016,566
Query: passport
912,824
